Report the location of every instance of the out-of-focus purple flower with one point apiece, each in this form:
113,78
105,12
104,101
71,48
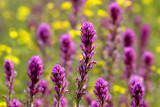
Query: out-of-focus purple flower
55,102
37,103
144,103
88,37
88,99
129,55
137,92
67,51
101,91
128,38
9,78
35,69
134,79
64,102
77,5
137,20
15,103
114,11
144,37
58,77
94,104
148,59
44,35
44,87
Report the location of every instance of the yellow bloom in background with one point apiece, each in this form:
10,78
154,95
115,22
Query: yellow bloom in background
3,104
123,28
101,13
50,5
158,49
128,3
90,3
158,20
158,71
136,8
120,2
3,4
12,58
153,68
116,88
100,63
5,48
6,14
88,13
23,13
147,2
65,24
13,34
74,33
56,25
24,37
66,5
122,90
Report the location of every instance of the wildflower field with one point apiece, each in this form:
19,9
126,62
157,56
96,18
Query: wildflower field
79,53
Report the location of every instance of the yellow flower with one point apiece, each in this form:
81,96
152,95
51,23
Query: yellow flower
12,58
158,71
23,13
147,2
88,13
128,3
158,20
116,88
3,104
122,90
3,4
153,68
50,5
74,33
13,34
102,13
100,63
123,28
158,49
136,8
24,37
66,5
5,48
90,3
6,14
56,25
120,2
65,24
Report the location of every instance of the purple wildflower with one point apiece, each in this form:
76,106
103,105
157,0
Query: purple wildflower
35,69
94,104
44,35
37,103
88,99
58,77
10,78
144,38
101,91
137,20
15,103
129,61
148,59
137,92
67,51
88,37
128,38
114,11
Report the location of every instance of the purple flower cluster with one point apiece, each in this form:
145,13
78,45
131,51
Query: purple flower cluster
144,38
94,104
129,61
10,78
77,6
44,35
129,38
114,12
88,37
58,77
88,98
35,69
101,91
67,51
137,92
113,39
15,103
